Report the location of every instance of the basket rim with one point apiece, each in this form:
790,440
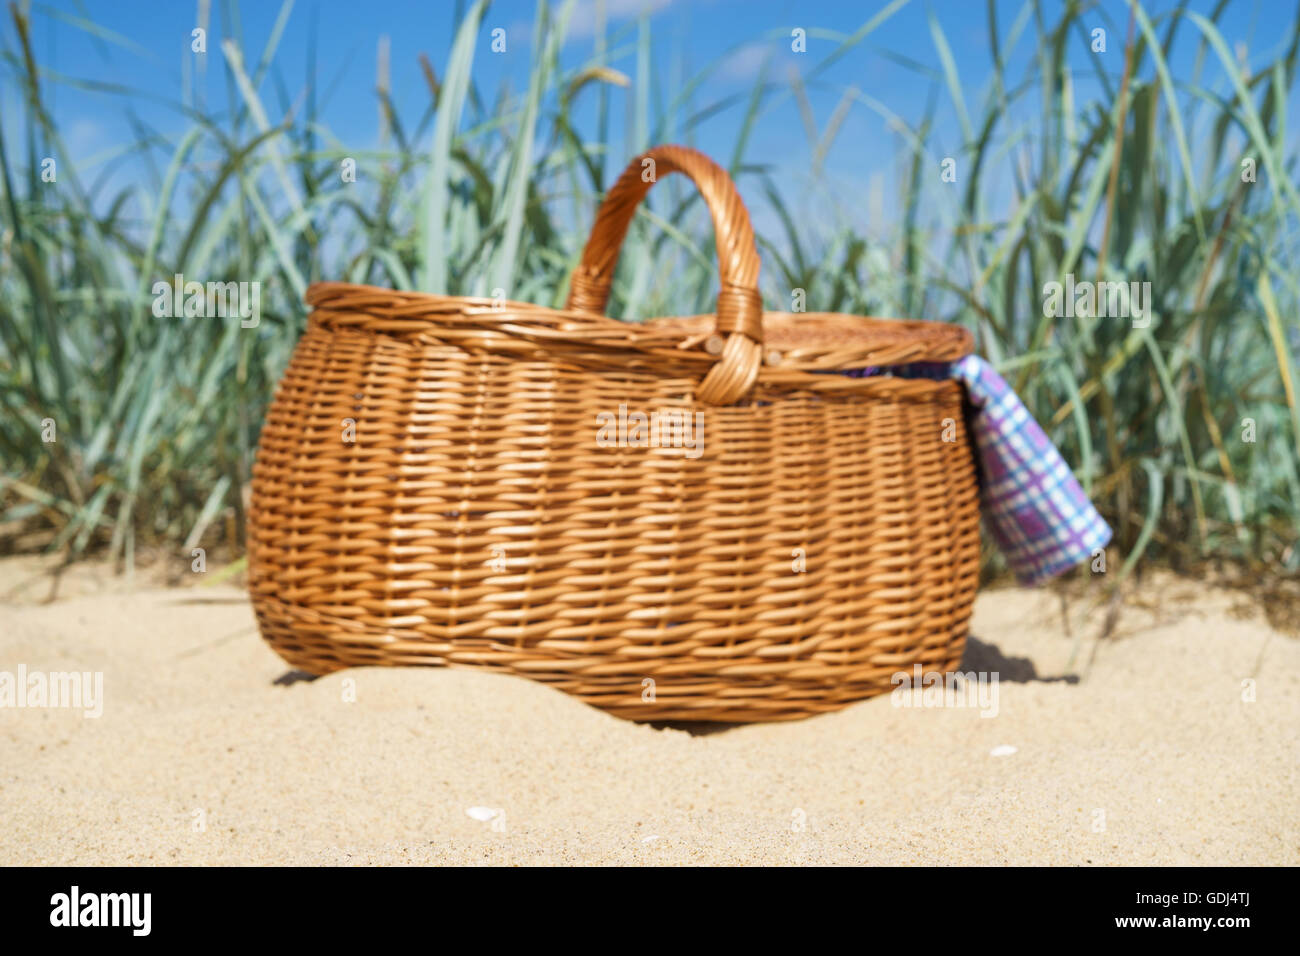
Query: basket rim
812,341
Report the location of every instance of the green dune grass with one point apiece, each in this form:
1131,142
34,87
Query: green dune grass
157,419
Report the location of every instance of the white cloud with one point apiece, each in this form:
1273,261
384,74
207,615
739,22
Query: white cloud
744,62
86,137
582,23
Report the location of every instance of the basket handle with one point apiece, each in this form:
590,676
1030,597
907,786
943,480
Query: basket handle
740,307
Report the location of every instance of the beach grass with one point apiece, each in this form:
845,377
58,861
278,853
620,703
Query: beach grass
1184,428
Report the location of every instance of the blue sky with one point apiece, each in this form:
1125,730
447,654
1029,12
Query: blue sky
144,45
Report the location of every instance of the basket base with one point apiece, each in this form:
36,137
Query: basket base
309,642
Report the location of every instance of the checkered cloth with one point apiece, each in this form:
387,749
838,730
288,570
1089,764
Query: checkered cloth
1042,521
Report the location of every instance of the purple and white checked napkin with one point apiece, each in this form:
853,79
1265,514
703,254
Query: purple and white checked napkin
1040,518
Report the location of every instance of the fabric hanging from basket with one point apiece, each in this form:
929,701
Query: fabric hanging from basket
1032,504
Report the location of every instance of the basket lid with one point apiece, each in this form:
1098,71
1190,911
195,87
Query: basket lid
819,341
832,339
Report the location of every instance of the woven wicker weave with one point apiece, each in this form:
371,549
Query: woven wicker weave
429,489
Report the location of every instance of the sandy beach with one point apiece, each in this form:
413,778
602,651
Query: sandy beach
209,750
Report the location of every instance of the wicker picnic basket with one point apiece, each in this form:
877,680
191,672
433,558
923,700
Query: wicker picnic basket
431,489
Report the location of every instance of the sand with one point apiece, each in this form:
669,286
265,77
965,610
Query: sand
209,751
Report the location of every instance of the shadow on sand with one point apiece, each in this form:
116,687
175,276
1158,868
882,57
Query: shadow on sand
980,656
